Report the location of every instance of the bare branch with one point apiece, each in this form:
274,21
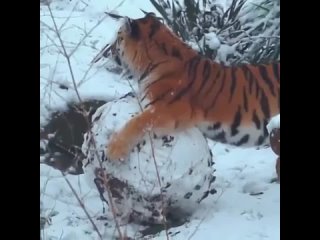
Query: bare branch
65,54
67,19
82,205
86,35
157,171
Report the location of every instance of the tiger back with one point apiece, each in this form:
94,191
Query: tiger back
185,89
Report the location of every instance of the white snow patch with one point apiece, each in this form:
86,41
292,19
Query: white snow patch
212,40
224,51
274,123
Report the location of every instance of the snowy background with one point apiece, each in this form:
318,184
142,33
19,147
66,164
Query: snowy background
247,203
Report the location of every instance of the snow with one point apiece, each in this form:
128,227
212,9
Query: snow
224,51
239,172
246,205
274,123
180,169
212,40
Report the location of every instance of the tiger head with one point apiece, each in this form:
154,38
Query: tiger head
144,41
133,46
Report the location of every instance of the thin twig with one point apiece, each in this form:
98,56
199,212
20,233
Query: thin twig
159,181
156,167
197,227
86,35
67,19
82,205
105,179
65,54
84,76
106,183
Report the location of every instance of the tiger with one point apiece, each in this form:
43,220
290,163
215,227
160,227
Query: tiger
184,89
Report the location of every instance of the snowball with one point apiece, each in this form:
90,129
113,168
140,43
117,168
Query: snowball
184,163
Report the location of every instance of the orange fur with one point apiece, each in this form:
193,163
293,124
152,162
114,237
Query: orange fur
186,89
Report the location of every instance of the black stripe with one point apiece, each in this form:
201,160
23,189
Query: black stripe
236,123
266,78
257,90
243,140
218,93
162,46
192,65
233,82
135,30
245,100
163,77
145,95
260,140
248,76
265,130
215,126
160,97
155,26
145,73
205,74
149,69
209,89
265,105
276,72
117,60
256,120
176,53
221,137
192,69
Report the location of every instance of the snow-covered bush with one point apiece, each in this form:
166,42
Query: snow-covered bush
246,31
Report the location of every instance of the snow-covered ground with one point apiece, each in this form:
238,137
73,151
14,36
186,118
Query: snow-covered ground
247,204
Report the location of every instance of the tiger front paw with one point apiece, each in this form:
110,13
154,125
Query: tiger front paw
118,148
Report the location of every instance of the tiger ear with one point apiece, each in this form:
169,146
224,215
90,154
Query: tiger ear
132,27
151,14
128,22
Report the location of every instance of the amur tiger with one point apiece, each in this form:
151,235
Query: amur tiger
229,104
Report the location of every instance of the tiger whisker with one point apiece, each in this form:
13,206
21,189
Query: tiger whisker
104,52
113,15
